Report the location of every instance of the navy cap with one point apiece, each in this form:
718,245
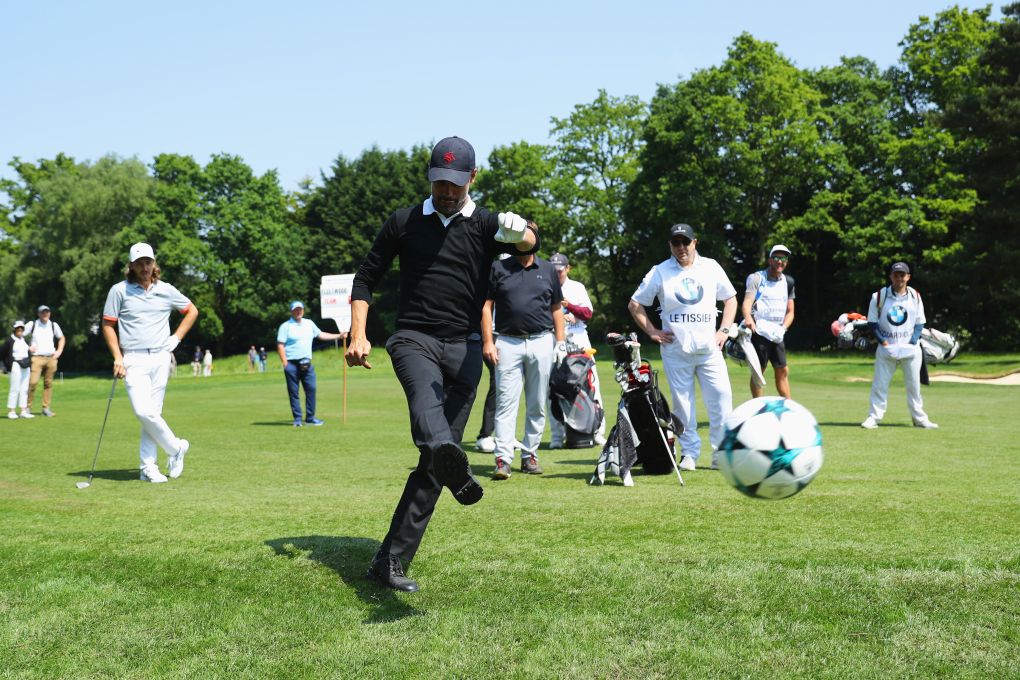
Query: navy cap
685,230
559,260
900,267
453,160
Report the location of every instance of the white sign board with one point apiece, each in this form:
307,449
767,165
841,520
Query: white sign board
335,299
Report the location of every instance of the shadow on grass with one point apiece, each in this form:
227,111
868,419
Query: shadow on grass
581,461
275,423
348,556
126,475
858,425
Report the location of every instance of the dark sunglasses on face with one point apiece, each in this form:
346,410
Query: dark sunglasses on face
680,242
780,258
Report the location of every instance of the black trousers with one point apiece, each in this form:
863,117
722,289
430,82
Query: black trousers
439,378
489,413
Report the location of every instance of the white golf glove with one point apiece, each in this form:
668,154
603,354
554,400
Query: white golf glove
561,353
511,227
171,343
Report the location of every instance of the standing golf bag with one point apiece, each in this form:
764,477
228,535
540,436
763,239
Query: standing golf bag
938,347
851,332
645,428
572,393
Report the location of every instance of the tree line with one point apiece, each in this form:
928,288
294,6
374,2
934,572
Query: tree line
851,166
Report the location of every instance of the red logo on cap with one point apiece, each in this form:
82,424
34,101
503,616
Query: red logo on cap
448,157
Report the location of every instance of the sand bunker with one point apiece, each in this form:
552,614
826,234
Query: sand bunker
1008,379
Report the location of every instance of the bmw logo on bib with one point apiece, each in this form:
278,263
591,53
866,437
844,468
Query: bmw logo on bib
896,315
690,292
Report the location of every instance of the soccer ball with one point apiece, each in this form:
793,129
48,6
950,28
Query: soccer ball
772,448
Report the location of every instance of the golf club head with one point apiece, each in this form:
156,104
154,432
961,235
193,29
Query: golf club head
83,485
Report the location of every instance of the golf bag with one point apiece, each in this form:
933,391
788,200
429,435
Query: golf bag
851,332
572,393
645,429
738,347
938,347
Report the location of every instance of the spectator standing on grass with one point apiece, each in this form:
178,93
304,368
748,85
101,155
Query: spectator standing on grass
196,361
896,318
294,345
262,359
136,327
577,312
445,248
688,287
207,364
46,342
253,357
18,363
524,294
768,312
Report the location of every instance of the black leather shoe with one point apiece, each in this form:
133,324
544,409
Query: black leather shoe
387,570
451,467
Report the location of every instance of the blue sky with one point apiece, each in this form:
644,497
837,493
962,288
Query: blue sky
293,85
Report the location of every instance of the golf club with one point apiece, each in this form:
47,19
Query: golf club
85,485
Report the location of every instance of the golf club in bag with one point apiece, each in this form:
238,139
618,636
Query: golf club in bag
645,429
85,485
573,398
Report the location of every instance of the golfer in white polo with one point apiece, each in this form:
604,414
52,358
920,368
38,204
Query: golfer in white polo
137,330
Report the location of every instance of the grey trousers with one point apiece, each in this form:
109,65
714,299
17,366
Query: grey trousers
523,363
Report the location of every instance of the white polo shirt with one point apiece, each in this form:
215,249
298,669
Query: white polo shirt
688,296
577,294
143,316
44,336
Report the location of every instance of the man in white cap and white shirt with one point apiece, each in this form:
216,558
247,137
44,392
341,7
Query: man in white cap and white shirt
688,287
47,340
896,318
137,331
768,312
577,312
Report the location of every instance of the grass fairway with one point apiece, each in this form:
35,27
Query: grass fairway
902,558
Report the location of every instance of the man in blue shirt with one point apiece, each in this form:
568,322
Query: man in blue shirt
294,344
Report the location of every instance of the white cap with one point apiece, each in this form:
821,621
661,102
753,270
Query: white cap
294,305
18,324
779,248
139,250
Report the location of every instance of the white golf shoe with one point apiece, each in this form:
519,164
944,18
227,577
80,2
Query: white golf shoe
869,423
926,424
687,464
26,414
151,473
485,444
12,415
176,464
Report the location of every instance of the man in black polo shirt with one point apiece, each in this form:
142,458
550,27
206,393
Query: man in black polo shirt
446,247
525,293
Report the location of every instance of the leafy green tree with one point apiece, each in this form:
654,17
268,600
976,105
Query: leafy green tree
71,225
985,281
519,178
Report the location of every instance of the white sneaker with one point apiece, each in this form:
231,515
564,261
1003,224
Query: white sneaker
175,466
151,473
485,444
926,424
687,464
869,423
48,413
12,415
26,414
600,440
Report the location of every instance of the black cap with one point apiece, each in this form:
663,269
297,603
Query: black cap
685,230
453,159
900,267
559,260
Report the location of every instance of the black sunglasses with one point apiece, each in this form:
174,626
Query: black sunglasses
680,242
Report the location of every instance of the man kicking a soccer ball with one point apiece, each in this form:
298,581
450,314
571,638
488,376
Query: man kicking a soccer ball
446,246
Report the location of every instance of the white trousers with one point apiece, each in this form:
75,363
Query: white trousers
17,395
559,431
710,370
146,385
885,367
527,363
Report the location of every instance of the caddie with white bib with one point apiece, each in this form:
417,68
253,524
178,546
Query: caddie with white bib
136,327
768,313
688,286
896,317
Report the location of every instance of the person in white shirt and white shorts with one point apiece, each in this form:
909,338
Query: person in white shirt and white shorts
137,331
688,286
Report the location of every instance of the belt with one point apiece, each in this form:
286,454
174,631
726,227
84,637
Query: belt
155,350
525,336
